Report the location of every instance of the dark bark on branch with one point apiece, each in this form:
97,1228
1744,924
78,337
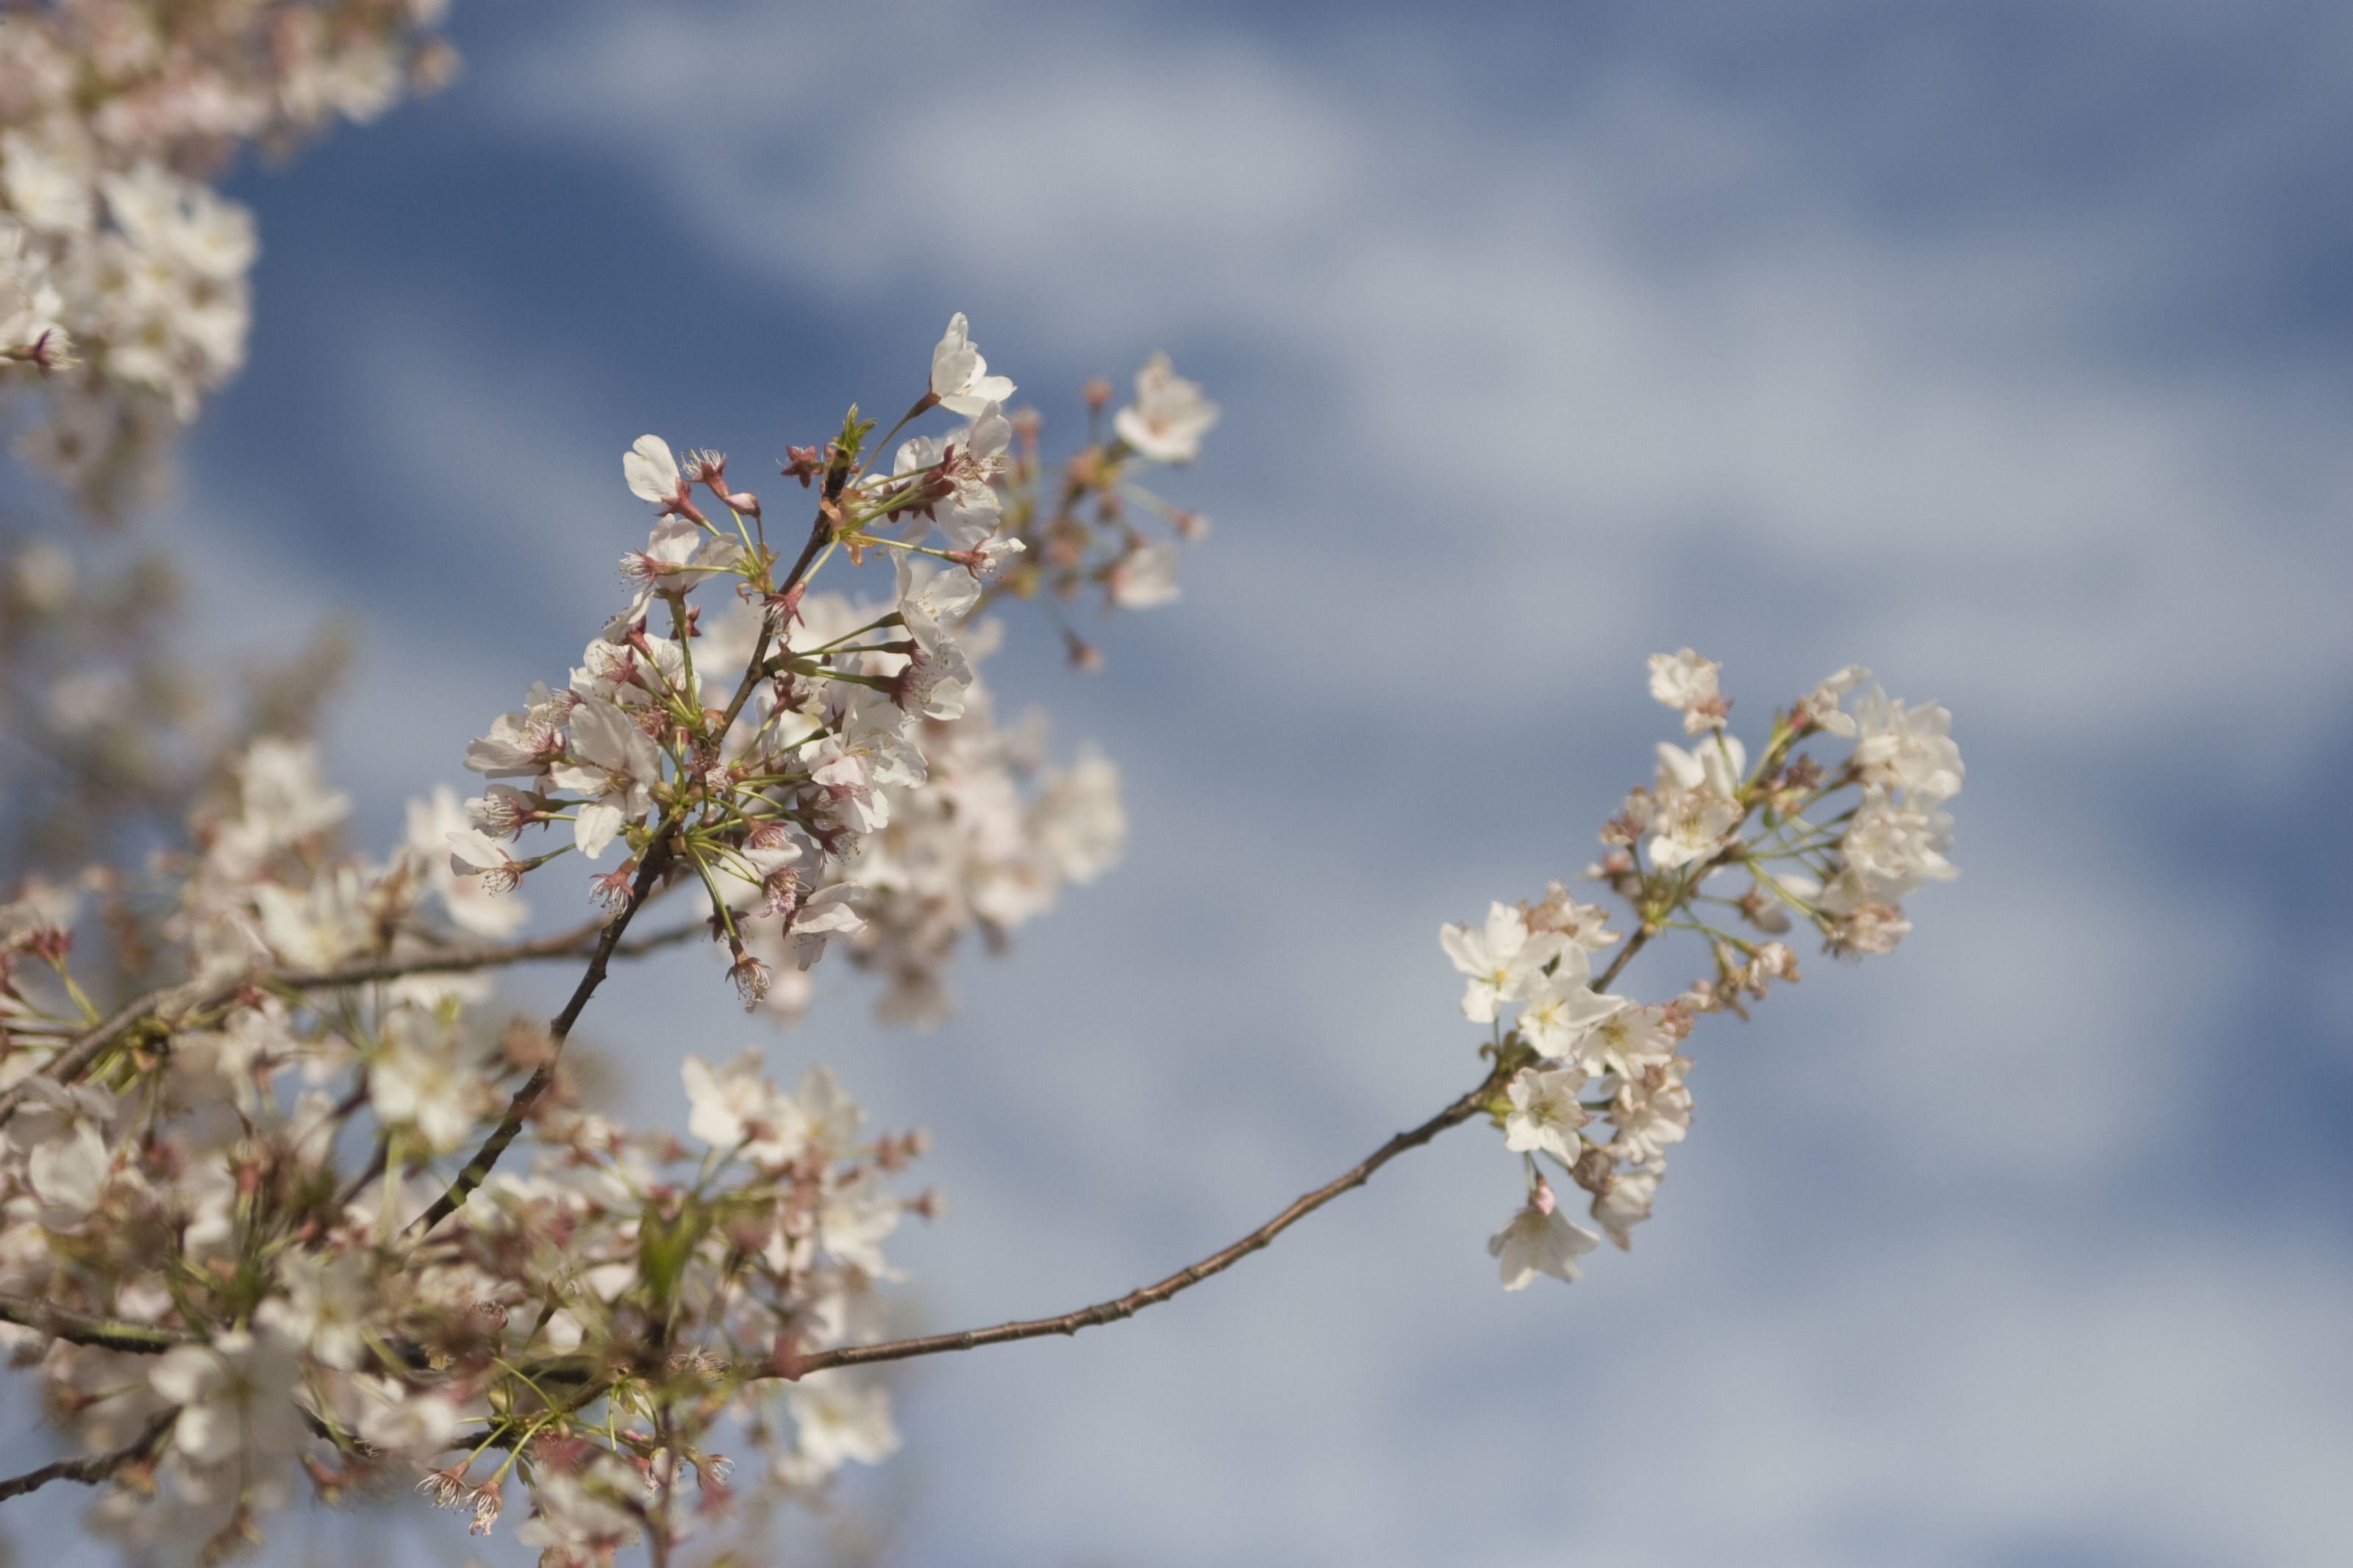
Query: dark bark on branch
1135,1300
87,1046
656,861
82,1329
97,1468
559,1030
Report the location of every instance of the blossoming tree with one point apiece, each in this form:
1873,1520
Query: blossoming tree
299,1213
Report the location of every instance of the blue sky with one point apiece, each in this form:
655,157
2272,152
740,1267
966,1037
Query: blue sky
2003,348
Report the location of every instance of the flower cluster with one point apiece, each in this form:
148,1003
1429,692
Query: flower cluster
209,1286
1087,530
113,248
312,1212
240,1231
1594,1083
197,1278
986,843
823,767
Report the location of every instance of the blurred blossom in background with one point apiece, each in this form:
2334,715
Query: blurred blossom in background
2003,348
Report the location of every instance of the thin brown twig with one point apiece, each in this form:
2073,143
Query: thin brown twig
97,1467
559,1030
84,1329
1634,945
656,861
87,1046
1648,929
1135,1300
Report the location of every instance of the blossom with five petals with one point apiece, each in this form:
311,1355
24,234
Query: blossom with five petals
1503,959
614,766
1539,1239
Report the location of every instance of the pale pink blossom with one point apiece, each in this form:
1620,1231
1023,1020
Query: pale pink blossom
960,378
1906,748
1544,1113
1683,680
1504,961
1540,1239
838,1418
1627,1202
615,767
1169,416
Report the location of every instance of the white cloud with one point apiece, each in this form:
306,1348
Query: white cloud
1907,435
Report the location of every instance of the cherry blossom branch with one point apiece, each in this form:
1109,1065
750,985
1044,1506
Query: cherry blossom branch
656,861
559,1030
1634,945
1127,1305
97,1468
108,1333
1648,929
87,1046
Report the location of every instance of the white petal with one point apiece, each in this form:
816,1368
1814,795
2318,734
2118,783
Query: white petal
594,826
651,471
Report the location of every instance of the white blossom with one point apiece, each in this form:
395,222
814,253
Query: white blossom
581,1517
1650,1111
1908,749
234,1398
1082,826
325,1307
1683,680
615,768
1544,1113
960,378
839,1418
1694,809
1561,1008
1504,961
1586,925
1627,1202
56,1137
931,602
854,1218
1819,706
1144,576
1893,850
284,795
322,925
651,473
971,511
733,1106
1540,1239
1169,416
1629,1042
436,823
419,1081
